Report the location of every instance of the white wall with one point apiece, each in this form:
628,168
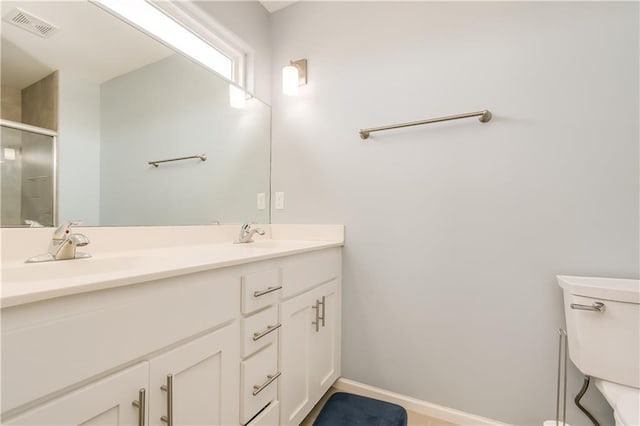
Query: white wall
455,231
78,149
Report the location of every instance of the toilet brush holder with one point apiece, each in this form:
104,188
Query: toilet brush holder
561,391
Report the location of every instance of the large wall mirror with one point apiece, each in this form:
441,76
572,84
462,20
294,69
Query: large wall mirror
87,107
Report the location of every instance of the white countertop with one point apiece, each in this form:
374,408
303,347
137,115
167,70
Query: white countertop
25,283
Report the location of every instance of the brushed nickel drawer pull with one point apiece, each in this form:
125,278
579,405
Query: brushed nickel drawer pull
323,310
317,321
267,291
168,388
270,378
140,403
270,328
595,306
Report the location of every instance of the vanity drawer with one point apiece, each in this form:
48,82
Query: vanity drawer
305,271
269,417
259,330
260,289
259,376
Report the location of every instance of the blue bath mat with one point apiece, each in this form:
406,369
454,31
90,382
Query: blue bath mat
345,409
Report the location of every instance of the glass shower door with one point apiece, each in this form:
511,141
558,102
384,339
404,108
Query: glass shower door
28,176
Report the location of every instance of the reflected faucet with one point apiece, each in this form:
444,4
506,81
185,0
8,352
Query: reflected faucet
246,234
63,245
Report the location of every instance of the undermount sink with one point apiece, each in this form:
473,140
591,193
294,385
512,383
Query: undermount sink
263,244
71,268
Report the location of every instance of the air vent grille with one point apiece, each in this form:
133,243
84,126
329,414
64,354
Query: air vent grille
31,23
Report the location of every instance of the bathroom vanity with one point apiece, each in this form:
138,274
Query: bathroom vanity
202,333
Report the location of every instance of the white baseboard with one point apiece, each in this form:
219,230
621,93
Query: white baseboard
416,405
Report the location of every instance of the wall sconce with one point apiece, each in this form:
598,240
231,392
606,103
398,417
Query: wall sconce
294,75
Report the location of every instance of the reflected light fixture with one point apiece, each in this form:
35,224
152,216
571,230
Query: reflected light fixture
155,23
294,75
237,97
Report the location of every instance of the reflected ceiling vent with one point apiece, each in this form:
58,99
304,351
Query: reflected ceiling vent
31,23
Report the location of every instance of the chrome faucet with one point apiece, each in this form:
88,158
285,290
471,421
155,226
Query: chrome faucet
63,245
246,234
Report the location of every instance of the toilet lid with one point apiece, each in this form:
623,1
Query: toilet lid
624,400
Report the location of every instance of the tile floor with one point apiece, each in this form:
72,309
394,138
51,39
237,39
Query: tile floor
414,419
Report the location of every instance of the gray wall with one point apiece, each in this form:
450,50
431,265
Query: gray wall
175,108
78,150
455,231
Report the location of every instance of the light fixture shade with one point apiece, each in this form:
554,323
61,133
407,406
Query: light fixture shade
237,98
290,79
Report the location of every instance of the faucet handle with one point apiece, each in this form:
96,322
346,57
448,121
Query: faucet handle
63,230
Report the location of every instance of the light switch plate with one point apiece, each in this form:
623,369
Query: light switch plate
261,200
279,200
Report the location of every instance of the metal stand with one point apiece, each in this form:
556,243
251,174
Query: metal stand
585,386
562,350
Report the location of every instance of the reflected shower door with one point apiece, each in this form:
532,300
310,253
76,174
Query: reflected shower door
27,165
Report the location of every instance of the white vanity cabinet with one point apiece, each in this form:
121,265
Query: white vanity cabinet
185,326
256,343
259,373
105,402
194,384
310,338
197,383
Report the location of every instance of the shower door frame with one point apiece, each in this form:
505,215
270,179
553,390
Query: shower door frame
54,140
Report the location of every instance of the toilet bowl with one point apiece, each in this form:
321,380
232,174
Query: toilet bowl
624,400
603,326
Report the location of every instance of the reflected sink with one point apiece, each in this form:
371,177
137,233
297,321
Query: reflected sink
72,268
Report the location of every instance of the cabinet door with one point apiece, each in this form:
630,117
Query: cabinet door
105,402
205,382
296,335
325,344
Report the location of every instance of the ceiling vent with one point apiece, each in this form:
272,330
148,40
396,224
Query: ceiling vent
31,23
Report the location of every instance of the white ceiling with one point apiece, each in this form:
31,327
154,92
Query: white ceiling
91,44
273,5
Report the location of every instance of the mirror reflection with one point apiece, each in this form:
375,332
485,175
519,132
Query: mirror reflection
115,99
27,178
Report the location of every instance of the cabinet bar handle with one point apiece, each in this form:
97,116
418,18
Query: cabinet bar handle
317,321
323,310
595,306
270,328
140,403
168,388
267,291
270,378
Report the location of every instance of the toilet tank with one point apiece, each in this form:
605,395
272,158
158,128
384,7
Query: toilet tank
606,343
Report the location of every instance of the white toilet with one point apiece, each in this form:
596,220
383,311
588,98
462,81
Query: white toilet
603,326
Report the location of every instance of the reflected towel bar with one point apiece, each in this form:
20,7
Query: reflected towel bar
485,115
203,157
